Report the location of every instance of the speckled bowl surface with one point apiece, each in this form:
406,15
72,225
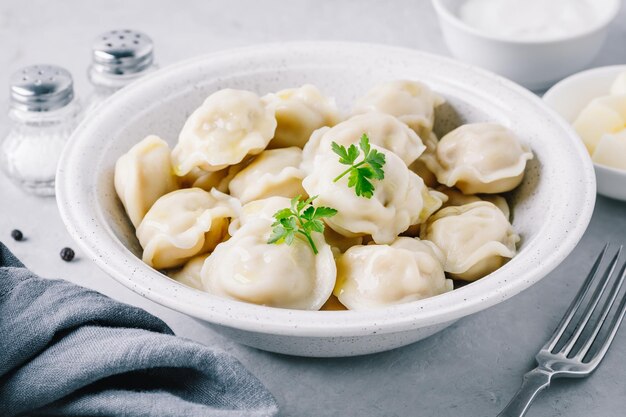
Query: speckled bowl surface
569,96
551,209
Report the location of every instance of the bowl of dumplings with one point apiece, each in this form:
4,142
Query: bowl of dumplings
325,199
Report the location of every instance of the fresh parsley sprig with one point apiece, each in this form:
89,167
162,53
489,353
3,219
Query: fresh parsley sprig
301,219
361,173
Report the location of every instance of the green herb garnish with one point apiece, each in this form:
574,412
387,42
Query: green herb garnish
301,219
361,173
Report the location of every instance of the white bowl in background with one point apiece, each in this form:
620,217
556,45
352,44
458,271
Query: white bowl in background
534,64
570,96
548,215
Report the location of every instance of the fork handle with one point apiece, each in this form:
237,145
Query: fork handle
534,382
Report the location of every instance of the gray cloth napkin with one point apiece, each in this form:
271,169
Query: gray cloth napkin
66,350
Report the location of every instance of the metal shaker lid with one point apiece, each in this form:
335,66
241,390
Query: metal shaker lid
41,88
121,52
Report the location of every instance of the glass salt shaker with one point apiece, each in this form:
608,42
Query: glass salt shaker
119,57
43,113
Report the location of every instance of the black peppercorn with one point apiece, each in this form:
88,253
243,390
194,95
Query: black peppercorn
17,235
67,254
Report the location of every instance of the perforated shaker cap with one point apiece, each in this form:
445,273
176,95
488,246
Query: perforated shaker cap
122,51
41,88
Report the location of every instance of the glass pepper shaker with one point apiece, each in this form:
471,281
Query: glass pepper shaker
43,113
119,57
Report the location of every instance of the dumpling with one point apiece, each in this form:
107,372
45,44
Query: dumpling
476,239
340,243
433,200
480,158
142,175
382,129
300,111
412,102
227,127
183,224
189,274
457,198
272,173
376,276
611,150
420,167
202,179
396,203
258,209
602,115
247,268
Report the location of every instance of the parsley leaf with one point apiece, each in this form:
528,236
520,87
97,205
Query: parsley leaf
299,220
360,174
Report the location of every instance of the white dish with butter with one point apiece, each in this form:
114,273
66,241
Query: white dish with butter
570,96
533,42
548,216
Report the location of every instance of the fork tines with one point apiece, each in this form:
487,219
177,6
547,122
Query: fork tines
584,333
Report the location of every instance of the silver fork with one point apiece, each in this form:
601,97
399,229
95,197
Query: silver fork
566,361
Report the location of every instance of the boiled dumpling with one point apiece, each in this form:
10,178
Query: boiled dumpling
412,102
142,175
480,158
611,150
433,200
340,243
382,129
183,224
300,111
396,203
602,115
200,178
263,209
476,239
272,173
420,167
376,276
247,268
227,127
189,274
457,198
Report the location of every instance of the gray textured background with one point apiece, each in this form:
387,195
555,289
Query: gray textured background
470,369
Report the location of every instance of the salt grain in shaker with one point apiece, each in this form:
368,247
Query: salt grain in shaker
119,57
43,113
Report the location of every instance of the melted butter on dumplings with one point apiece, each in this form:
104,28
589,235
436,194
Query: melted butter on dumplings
376,276
480,158
183,224
272,173
396,204
142,175
476,239
300,111
227,127
247,268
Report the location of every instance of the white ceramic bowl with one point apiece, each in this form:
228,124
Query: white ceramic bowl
548,215
533,64
570,96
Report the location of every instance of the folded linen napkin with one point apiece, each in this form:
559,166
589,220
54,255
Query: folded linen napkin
66,350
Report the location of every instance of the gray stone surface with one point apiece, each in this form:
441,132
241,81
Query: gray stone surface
470,369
